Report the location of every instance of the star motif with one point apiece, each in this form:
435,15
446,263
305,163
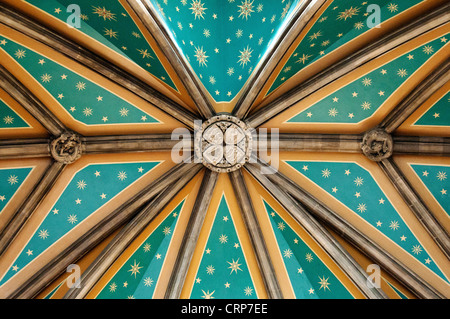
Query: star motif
234,266
135,269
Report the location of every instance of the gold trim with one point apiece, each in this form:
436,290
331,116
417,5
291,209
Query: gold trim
408,127
404,163
39,215
350,128
224,188
258,193
390,192
188,193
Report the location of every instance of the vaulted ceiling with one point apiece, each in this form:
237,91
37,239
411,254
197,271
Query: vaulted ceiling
140,225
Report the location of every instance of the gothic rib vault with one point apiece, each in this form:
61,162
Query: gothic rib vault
361,176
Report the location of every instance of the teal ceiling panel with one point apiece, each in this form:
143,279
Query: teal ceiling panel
310,277
340,23
9,118
110,24
223,272
10,181
437,115
361,98
354,186
84,100
435,178
224,39
139,275
88,190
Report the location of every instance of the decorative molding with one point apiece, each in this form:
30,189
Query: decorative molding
151,20
273,55
347,143
417,205
389,42
257,239
319,233
358,239
132,143
377,145
223,143
191,235
24,148
422,145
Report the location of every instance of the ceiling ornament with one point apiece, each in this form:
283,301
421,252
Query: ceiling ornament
66,148
377,145
223,143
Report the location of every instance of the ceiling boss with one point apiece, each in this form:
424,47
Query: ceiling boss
223,143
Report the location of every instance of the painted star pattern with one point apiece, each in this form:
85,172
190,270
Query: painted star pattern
358,190
10,181
9,118
437,180
361,98
438,114
223,272
139,275
310,278
223,40
341,22
76,203
109,23
82,99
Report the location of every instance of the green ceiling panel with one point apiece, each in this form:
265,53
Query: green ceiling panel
10,181
355,187
435,178
224,40
310,277
138,276
84,100
340,23
223,272
109,23
438,114
89,189
360,99
9,118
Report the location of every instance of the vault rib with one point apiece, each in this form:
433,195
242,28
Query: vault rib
24,97
192,232
254,230
387,43
295,24
350,267
363,243
156,26
81,55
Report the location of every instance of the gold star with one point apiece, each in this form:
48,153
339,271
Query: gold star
234,266
135,269
324,283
